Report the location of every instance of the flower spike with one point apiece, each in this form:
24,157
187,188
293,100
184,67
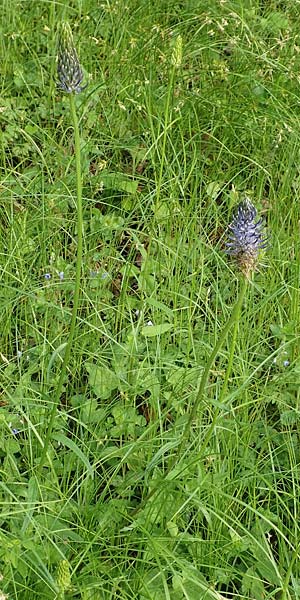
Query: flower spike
246,237
70,74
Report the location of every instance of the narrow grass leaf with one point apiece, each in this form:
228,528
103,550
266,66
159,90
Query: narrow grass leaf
60,437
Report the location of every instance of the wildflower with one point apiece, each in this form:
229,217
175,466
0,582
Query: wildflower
15,431
47,276
282,360
61,275
70,74
246,237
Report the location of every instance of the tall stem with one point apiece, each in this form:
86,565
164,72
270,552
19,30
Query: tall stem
162,157
77,282
233,319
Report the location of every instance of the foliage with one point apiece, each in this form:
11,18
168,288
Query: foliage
168,150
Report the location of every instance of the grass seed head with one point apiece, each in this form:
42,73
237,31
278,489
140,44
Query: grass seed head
63,577
176,57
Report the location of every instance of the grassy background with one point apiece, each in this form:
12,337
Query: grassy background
167,154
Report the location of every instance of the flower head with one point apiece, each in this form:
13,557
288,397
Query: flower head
70,75
63,575
176,58
246,237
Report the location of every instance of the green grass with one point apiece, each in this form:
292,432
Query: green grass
167,153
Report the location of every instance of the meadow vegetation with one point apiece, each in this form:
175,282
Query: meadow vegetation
190,106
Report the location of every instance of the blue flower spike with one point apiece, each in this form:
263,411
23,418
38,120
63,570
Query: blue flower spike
246,237
69,71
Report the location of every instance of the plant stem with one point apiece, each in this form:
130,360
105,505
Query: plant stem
77,282
233,319
164,138
285,595
232,349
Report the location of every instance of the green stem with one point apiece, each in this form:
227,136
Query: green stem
285,595
231,354
164,139
233,319
77,282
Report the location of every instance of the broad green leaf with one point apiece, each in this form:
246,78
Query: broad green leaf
153,586
32,498
253,584
102,380
153,330
118,181
160,306
194,585
213,189
65,530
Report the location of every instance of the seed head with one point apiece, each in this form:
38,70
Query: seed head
63,576
70,75
246,237
176,57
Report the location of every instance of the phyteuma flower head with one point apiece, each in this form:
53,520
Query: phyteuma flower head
70,74
246,237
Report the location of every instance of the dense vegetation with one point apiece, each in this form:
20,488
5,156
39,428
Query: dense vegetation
122,509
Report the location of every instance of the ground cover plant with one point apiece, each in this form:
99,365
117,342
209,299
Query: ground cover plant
118,479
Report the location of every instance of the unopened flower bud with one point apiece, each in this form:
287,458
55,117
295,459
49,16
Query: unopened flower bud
176,57
70,74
